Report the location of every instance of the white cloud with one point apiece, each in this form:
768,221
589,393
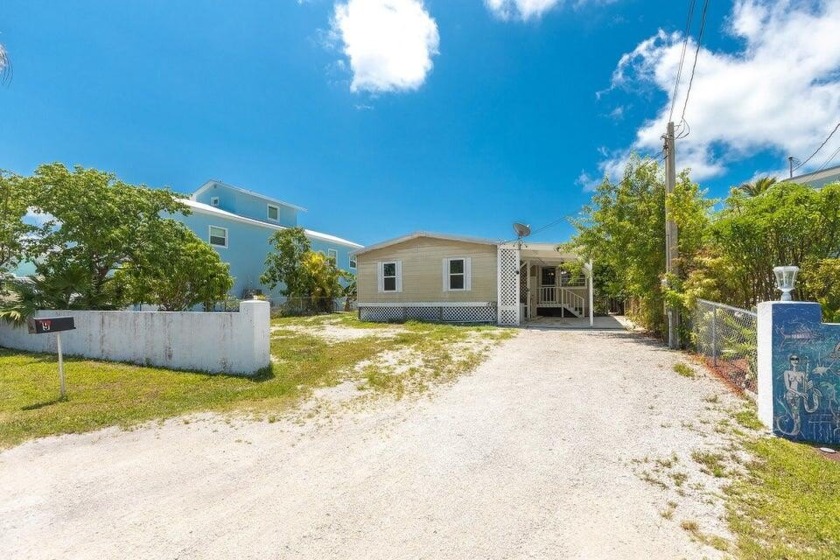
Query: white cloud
780,91
532,9
524,9
617,114
588,182
389,43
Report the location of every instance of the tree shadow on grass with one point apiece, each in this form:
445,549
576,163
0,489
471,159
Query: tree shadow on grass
260,376
33,356
43,404
645,338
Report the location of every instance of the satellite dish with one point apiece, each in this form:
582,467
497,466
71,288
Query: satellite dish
521,230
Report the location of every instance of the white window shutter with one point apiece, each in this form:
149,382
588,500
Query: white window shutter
445,275
399,276
468,274
380,282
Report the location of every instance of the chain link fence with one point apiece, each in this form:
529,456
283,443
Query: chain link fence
310,306
726,337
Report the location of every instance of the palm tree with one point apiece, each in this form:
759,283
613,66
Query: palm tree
757,187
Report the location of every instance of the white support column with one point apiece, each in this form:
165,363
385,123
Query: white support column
508,285
532,312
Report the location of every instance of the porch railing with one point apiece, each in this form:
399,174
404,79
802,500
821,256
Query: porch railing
562,297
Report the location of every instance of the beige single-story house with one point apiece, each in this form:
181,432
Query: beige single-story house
435,277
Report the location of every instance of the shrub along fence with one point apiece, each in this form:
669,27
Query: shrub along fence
226,342
726,337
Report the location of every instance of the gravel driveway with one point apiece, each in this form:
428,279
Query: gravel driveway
563,444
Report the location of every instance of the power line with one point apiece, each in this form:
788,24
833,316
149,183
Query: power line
567,216
686,132
543,228
552,224
818,149
830,159
682,58
696,56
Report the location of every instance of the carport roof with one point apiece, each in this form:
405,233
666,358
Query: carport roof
545,252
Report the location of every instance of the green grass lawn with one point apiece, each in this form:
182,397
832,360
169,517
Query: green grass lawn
788,505
101,394
785,503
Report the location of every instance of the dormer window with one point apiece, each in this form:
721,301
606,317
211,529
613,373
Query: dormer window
214,201
273,213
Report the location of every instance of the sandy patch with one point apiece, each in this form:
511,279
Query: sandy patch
540,453
338,333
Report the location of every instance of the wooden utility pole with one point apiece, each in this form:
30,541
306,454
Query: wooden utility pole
671,234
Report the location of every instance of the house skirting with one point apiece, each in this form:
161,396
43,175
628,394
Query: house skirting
443,312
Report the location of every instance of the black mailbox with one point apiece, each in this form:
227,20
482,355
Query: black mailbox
51,324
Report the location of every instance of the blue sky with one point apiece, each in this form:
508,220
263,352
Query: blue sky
384,117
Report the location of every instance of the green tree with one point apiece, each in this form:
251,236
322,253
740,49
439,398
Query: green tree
322,280
96,224
15,200
194,273
307,276
788,224
623,229
820,279
757,187
284,265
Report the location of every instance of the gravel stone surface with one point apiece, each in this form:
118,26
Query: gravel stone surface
563,444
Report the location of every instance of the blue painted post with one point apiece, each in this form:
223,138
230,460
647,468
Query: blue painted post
798,372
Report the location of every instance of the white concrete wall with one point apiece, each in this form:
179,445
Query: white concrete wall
234,343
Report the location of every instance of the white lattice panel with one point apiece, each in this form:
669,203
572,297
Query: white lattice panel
422,313
382,314
470,314
509,317
508,285
448,314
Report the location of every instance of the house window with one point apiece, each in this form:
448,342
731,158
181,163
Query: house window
214,200
390,276
456,274
273,213
353,262
218,236
332,255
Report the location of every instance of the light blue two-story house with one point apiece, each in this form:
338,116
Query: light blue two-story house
239,223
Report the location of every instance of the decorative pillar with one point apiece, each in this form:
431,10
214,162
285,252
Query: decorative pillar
798,372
